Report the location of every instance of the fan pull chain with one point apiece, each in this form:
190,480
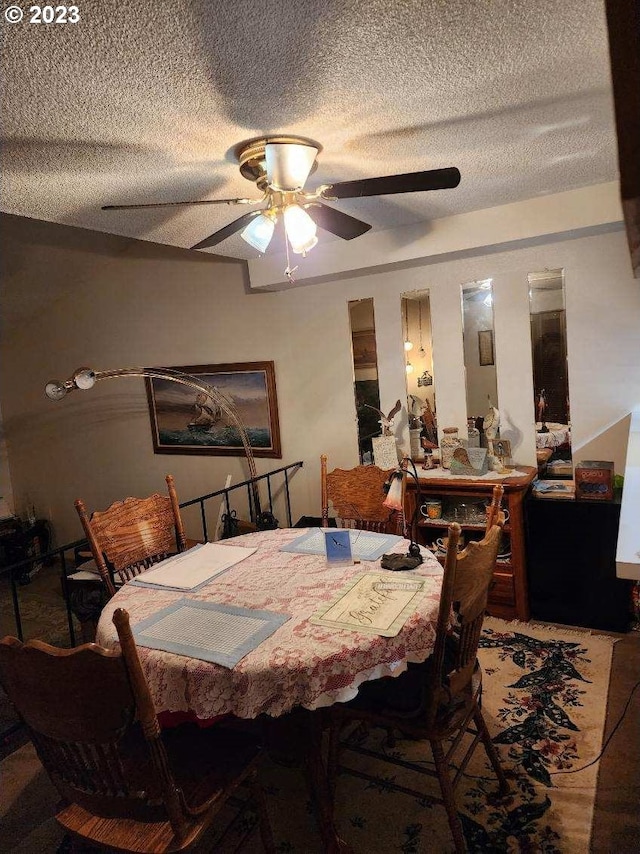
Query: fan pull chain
289,272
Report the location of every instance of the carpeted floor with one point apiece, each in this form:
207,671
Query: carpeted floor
545,702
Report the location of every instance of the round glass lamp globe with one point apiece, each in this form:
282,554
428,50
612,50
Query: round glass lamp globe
55,390
85,378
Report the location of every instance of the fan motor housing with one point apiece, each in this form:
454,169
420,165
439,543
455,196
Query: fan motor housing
252,157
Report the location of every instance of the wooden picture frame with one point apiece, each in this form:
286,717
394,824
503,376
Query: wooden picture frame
364,349
502,448
485,346
182,424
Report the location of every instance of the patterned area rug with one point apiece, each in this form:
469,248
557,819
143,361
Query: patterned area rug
545,694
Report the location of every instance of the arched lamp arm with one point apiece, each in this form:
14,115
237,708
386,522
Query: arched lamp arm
85,378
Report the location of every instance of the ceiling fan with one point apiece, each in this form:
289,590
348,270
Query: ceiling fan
280,166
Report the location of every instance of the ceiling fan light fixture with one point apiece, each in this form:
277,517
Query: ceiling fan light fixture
300,228
259,232
289,165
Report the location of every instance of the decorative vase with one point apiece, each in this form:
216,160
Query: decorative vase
449,442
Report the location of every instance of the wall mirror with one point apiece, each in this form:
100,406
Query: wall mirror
550,372
365,374
479,356
418,352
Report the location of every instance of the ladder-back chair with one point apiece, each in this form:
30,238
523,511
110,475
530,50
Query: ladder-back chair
131,535
124,784
356,496
446,688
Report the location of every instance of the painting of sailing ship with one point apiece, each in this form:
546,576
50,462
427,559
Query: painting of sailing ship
187,421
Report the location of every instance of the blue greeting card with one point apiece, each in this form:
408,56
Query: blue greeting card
337,546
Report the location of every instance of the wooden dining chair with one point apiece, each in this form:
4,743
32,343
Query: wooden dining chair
356,496
124,784
439,700
131,535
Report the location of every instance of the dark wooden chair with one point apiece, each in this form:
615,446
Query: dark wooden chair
124,785
356,496
131,535
438,701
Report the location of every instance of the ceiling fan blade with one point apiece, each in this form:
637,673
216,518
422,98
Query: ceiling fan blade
227,231
175,204
338,223
410,182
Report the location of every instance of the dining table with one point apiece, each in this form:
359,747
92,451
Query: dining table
302,664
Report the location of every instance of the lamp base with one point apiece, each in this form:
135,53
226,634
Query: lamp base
398,563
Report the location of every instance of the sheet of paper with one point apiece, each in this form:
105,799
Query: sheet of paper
373,603
194,567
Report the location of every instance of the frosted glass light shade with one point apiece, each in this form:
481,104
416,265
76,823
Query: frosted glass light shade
300,228
394,497
408,368
288,165
84,378
259,232
55,390
408,345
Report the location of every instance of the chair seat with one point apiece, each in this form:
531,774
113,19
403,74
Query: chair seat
207,765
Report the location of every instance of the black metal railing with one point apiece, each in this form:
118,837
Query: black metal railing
277,493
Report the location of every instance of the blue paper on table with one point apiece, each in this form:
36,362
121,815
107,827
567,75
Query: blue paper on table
223,634
365,545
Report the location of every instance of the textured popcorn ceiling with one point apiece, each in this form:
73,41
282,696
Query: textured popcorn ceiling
144,101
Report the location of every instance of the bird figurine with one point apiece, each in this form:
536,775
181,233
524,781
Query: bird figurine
386,421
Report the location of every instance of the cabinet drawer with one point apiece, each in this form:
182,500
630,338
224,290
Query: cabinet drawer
502,590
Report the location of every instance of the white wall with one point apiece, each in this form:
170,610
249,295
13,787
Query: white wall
108,302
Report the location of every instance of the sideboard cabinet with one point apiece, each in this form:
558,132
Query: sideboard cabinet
508,596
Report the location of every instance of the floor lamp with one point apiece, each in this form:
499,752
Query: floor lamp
86,378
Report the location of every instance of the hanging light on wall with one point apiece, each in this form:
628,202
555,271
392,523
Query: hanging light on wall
425,378
421,351
408,345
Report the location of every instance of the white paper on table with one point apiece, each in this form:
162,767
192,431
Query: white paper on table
194,567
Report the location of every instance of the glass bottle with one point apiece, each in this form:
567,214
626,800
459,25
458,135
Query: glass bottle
473,433
449,442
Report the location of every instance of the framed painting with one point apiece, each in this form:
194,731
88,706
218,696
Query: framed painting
485,346
182,422
364,348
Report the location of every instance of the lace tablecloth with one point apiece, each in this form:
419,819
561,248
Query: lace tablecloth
300,664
